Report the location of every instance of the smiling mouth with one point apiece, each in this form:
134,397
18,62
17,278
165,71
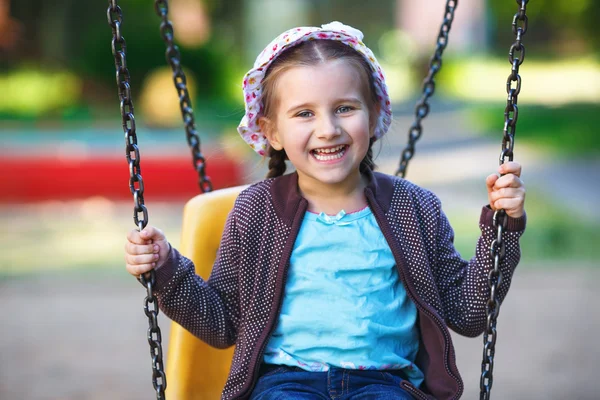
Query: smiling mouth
332,153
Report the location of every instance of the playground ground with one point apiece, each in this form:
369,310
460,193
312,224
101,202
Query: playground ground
73,326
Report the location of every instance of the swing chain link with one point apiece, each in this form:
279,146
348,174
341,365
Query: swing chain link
136,186
159,380
173,57
422,107
516,55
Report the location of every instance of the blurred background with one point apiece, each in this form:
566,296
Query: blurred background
71,321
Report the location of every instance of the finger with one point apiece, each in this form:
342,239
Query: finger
512,206
510,167
141,259
152,233
490,181
135,237
135,249
137,270
506,193
508,181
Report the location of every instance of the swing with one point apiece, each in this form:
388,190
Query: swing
196,370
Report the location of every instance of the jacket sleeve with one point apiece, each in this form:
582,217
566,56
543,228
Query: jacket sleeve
208,309
463,285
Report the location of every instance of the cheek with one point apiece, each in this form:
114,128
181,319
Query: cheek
359,127
295,134
373,117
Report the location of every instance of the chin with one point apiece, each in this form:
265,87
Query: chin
334,179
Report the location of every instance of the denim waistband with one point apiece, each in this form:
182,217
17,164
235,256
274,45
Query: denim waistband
267,368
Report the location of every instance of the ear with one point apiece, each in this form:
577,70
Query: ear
268,127
373,117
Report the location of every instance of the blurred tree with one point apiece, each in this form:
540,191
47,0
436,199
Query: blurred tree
567,26
373,18
75,35
9,28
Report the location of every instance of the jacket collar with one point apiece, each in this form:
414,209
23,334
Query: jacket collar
287,199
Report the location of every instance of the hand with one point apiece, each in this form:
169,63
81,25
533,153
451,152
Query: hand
145,250
507,192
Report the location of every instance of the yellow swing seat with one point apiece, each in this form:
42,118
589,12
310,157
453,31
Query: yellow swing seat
196,371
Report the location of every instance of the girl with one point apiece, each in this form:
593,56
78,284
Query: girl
335,281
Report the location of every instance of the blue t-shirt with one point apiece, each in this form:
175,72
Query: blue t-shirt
344,304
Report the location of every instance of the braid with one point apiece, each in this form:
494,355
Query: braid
277,164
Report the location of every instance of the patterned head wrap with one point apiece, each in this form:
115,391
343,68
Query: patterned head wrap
252,84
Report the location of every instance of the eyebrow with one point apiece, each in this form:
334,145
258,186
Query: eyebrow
353,100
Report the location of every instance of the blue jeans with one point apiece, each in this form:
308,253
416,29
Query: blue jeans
292,383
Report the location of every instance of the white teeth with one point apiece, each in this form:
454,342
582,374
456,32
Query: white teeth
323,157
330,150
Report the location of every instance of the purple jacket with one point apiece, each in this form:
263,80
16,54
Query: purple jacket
239,304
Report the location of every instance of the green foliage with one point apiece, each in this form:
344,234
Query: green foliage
74,36
568,130
550,21
212,64
30,92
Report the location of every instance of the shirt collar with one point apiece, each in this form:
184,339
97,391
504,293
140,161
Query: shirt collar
287,199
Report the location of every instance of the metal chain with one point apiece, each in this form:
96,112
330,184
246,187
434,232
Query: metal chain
159,379
173,57
422,107
136,185
516,56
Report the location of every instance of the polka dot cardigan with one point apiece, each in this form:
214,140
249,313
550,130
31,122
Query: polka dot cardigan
239,304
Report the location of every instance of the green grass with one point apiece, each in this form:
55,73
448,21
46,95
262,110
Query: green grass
568,130
552,234
77,236
88,236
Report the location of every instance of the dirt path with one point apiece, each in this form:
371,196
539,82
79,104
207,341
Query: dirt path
76,337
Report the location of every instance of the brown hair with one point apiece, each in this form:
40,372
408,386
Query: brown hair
310,53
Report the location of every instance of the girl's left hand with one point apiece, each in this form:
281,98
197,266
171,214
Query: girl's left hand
507,192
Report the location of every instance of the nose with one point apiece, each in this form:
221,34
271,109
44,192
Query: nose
328,128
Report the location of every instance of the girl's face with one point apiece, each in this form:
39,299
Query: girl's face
322,122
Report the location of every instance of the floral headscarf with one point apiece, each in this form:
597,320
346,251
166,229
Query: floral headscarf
252,84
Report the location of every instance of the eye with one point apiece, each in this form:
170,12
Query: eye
344,109
304,114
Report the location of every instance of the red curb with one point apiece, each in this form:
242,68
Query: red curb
34,179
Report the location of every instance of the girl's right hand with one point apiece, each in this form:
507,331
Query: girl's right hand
145,250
